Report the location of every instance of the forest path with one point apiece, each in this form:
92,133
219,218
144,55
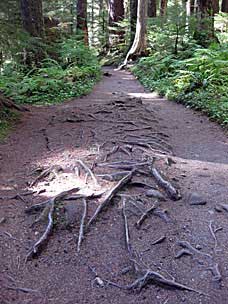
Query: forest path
191,152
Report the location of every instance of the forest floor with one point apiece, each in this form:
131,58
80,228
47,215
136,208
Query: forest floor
183,239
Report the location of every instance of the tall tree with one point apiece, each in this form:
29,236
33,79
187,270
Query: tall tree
133,17
163,7
32,17
33,24
224,7
82,18
152,8
116,11
116,14
138,47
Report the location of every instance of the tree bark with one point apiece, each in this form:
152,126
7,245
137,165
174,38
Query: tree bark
224,7
163,7
152,8
133,17
116,14
215,6
32,17
205,30
33,24
82,18
116,11
138,47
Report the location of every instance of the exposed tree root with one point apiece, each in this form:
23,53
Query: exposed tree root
110,196
148,275
82,224
6,102
164,184
146,214
50,205
87,169
54,170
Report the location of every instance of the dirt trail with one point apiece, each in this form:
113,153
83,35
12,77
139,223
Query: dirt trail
190,151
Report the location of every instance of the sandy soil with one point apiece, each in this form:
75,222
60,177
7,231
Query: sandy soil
190,151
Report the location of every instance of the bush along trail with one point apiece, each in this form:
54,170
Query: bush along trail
97,203
196,77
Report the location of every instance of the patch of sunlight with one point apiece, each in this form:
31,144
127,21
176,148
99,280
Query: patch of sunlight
151,95
69,179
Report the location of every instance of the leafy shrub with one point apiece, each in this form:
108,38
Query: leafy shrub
74,74
200,81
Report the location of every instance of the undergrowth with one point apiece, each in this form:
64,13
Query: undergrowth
72,74
7,119
196,77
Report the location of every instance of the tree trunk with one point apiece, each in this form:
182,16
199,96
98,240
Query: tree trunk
116,14
32,17
224,7
204,33
138,47
152,8
133,18
215,6
163,7
33,23
82,18
116,11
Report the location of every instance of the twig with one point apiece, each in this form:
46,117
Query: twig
126,228
146,214
110,196
158,241
81,231
213,234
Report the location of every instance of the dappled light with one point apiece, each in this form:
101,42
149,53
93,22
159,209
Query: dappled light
113,152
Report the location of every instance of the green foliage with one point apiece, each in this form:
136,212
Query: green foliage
199,80
7,119
54,81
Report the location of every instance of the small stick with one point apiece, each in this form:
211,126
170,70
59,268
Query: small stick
158,241
146,214
86,168
213,234
110,196
126,227
81,231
